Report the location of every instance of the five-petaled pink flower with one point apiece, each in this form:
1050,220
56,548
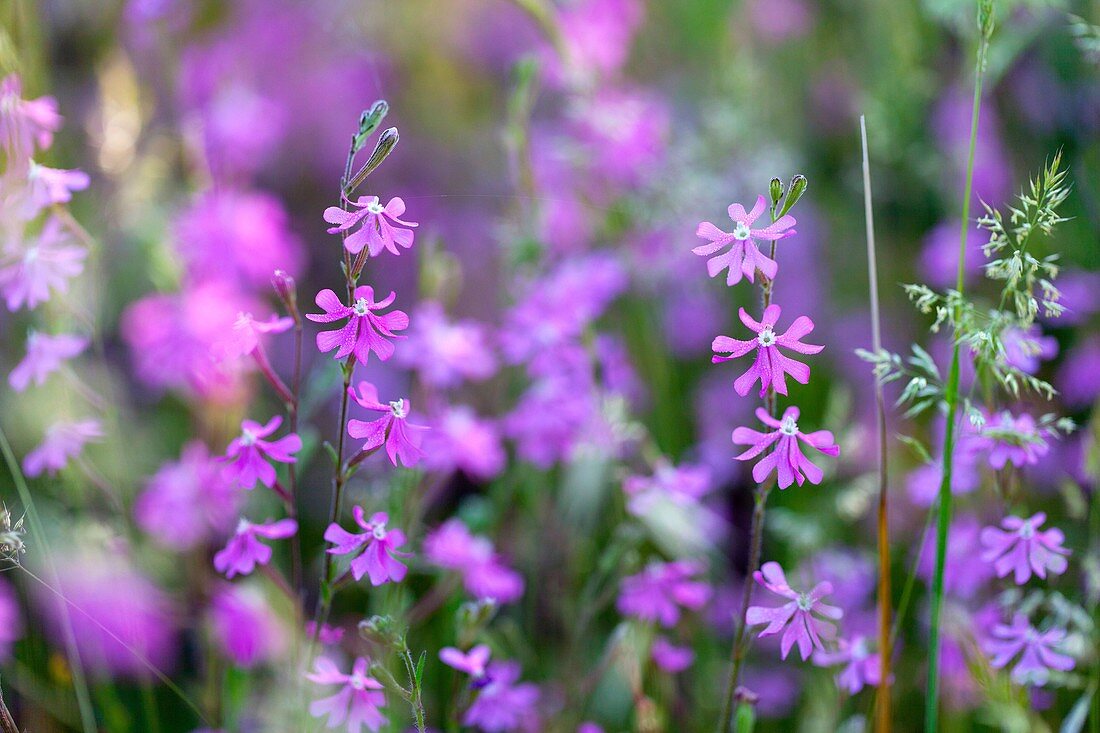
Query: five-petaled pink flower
250,453
358,701
376,548
25,122
861,666
744,256
30,272
787,458
661,589
377,231
1039,649
47,186
244,551
365,331
1023,549
45,354
63,440
472,662
248,331
770,366
805,617
401,438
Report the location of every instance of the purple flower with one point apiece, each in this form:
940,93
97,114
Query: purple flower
365,331
375,549
377,231
685,483
189,501
669,657
246,627
770,366
502,705
744,256
965,572
1023,549
1024,349
597,35
472,662
460,440
44,356
445,352
484,575
625,133
1013,439
358,701
1039,651
661,590
25,122
28,275
402,440
250,453
63,440
806,618
861,666
244,551
49,186
787,458
248,333
328,635
11,620
1077,376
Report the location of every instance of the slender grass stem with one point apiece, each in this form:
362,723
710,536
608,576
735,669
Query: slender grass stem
931,711
882,707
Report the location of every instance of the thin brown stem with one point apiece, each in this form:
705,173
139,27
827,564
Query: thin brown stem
7,722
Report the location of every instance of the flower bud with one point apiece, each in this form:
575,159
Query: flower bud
474,616
286,289
369,121
775,190
383,631
794,193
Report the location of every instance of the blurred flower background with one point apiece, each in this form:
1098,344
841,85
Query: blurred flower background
557,479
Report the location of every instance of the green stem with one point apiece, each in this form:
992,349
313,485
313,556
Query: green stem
931,711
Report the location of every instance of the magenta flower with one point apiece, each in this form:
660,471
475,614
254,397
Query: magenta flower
63,440
861,666
328,635
484,574
248,332
445,352
377,231
661,590
49,186
669,657
250,453
189,501
1039,651
502,705
1013,439
245,625
787,458
375,549
472,662
25,122
806,618
744,256
244,550
460,440
44,356
365,331
358,701
11,620
28,275
770,366
1023,549
401,439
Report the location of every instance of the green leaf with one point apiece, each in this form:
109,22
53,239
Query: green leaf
1079,713
420,668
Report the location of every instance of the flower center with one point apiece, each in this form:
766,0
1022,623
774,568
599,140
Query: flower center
379,531
397,407
243,525
361,307
741,231
31,256
788,426
248,438
357,682
375,208
1027,531
766,337
804,602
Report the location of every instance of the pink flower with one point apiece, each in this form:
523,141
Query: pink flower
377,231
1039,651
189,501
328,636
669,657
446,352
502,705
806,618
770,366
49,186
376,548
248,332
1013,439
743,257
250,453
862,667
63,440
44,356
402,440
483,573
472,662
1024,549
247,628
787,458
460,440
245,551
358,701
661,590
365,331
27,276
25,122
11,620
